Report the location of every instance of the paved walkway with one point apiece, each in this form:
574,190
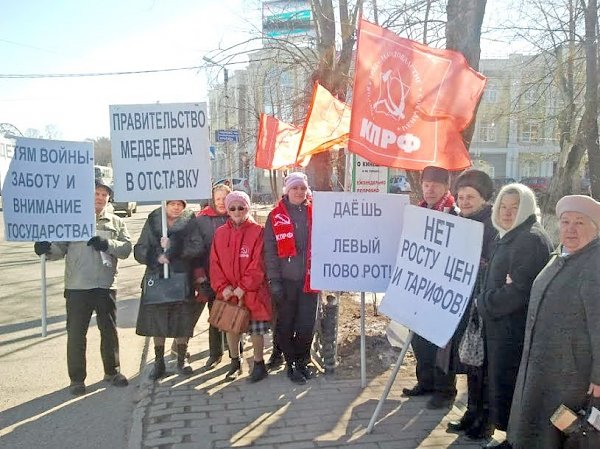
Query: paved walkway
203,411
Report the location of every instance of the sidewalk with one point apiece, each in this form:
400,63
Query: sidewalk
202,411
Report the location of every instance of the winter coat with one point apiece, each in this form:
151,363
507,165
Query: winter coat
84,269
287,268
208,221
185,243
561,356
236,260
521,253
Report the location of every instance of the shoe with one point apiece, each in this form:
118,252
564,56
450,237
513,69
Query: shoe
305,371
212,361
117,380
275,361
77,388
494,444
296,376
480,429
259,372
463,423
235,369
438,401
159,368
183,367
417,390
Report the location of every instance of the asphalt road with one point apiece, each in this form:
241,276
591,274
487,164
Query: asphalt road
36,409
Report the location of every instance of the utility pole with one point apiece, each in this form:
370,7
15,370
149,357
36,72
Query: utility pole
229,169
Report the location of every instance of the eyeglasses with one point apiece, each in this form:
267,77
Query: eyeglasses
239,209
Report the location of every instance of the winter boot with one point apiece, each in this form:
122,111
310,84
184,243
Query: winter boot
183,367
159,363
235,369
259,372
276,359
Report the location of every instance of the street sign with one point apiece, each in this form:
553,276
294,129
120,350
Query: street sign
227,135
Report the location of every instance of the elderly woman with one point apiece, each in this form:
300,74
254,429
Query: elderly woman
521,252
237,274
474,190
209,219
561,357
182,244
287,259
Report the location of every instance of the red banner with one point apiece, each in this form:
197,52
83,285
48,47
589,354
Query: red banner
277,144
410,102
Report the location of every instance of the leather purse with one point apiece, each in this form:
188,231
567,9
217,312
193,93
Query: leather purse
229,317
157,291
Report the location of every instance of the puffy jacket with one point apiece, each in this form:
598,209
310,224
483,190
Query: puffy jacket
84,269
236,259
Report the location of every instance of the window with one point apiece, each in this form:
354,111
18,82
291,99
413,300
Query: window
490,94
487,132
530,132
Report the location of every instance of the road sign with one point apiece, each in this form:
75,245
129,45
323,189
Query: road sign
227,135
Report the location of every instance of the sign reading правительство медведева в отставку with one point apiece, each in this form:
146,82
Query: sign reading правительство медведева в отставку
354,240
48,190
434,275
160,151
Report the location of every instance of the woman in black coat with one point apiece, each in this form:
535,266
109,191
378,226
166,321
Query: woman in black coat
521,252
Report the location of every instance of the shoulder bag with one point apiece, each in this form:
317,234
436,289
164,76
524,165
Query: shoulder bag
157,291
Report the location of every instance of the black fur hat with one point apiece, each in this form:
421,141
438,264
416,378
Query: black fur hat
477,179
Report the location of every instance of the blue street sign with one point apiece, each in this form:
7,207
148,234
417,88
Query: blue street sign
227,135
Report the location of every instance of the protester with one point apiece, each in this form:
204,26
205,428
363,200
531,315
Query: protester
177,320
209,220
561,356
237,273
287,260
431,378
521,252
90,271
474,190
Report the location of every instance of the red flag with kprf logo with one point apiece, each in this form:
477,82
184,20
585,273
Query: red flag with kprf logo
410,102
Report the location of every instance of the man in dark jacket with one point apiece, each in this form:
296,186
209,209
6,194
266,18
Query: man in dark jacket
435,182
90,270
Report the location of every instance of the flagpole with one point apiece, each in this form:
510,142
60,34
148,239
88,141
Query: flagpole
43,297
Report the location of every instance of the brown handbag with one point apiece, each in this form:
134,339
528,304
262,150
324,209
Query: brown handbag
229,317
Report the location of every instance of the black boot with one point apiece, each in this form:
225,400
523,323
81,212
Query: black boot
159,368
480,429
235,369
183,367
463,423
259,372
295,375
276,360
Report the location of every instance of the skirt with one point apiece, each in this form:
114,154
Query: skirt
259,327
168,320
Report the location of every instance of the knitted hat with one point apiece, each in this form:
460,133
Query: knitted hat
435,174
294,179
183,201
100,182
579,203
237,196
478,180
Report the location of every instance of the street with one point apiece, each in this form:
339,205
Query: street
36,409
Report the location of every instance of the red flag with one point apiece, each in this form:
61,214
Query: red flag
410,102
277,144
327,123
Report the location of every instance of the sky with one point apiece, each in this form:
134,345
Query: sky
75,37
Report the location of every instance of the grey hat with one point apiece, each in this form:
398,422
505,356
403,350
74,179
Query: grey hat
435,174
477,179
100,182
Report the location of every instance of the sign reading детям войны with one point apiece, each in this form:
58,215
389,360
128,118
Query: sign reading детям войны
436,269
48,190
160,151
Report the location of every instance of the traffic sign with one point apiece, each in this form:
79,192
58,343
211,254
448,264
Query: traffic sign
227,135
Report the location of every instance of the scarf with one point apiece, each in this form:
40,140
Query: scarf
445,204
283,228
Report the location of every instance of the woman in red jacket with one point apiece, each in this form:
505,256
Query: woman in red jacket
237,273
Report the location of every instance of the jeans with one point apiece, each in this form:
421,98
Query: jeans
80,306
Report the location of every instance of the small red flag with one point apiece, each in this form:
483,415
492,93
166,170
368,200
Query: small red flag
277,144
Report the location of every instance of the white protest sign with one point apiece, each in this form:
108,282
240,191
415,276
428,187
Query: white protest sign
160,151
48,193
354,240
6,151
438,260
369,177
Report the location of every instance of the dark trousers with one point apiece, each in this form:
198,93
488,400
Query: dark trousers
297,312
80,306
215,337
477,387
277,352
429,375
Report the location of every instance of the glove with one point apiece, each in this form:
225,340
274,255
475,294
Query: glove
41,248
99,243
276,288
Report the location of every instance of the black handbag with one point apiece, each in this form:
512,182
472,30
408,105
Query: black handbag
581,434
157,291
